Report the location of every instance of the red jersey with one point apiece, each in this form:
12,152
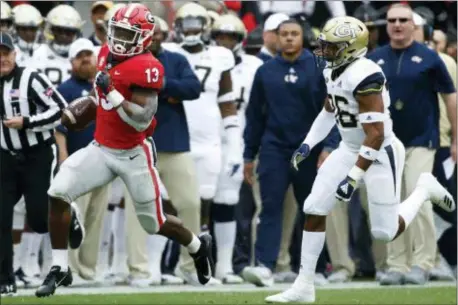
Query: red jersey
142,70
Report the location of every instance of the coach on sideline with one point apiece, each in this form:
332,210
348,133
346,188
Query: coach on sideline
415,75
30,108
94,204
287,95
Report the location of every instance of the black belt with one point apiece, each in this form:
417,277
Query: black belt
30,150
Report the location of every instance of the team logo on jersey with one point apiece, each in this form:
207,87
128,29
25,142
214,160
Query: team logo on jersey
417,59
380,62
291,77
399,105
344,30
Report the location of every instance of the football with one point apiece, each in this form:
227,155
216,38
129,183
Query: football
79,113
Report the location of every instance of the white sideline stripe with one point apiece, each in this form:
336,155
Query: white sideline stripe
222,288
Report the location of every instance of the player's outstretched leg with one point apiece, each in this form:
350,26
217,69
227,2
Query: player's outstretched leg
427,189
303,289
200,247
65,229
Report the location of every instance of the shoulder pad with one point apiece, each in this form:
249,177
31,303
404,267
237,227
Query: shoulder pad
224,58
360,70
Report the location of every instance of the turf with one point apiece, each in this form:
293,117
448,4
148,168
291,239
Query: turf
430,296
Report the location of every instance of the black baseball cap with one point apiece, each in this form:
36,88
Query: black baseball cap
6,40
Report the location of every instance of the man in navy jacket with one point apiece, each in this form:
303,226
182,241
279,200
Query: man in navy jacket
288,93
415,75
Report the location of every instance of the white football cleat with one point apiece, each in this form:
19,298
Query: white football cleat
306,294
229,278
170,279
259,276
438,194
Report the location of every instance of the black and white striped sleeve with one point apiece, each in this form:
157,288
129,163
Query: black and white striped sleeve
48,101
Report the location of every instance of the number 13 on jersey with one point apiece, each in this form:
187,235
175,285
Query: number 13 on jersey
152,75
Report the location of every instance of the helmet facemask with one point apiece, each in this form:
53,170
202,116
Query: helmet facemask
191,30
62,39
26,43
125,39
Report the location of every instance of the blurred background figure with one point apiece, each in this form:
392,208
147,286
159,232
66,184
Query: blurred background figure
98,11
440,41
27,24
6,17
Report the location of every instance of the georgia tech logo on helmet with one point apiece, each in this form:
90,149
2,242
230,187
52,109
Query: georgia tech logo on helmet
344,30
149,18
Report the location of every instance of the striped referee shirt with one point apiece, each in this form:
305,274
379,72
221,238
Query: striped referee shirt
26,92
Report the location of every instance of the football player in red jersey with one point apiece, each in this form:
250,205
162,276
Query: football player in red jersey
126,90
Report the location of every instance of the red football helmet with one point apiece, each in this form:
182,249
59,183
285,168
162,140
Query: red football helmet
130,30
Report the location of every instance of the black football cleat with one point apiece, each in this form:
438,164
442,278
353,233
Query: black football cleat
8,289
54,279
203,259
76,230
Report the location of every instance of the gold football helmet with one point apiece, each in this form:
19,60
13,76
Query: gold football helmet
342,40
232,25
191,23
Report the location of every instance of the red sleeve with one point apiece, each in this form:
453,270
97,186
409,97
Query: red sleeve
150,131
147,72
249,20
233,5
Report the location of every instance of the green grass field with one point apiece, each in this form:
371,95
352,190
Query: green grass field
433,295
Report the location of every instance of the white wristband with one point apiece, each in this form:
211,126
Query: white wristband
368,153
356,173
115,98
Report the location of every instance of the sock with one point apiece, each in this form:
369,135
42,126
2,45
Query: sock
60,258
16,256
46,253
194,245
409,207
156,246
105,239
225,240
30,243
312,245
119,263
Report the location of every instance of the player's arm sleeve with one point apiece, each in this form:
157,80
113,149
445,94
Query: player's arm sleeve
442,81
47,99
256,114
187,86
372,84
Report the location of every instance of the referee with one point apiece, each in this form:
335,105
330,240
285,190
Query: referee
30,108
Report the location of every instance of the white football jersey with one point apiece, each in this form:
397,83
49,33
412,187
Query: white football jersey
346,108
203,114
25,59
57,68
242,81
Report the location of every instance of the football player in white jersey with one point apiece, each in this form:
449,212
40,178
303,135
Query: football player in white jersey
229,31
63,26
214,107
6,17
369,152
27,22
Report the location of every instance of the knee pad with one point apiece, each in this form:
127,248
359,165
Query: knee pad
228,197
384,220
117,191
19,215
60,189
149,217
318,206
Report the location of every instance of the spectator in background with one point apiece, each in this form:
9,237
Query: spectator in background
270,37
254,42
98,11
415,74
451,45
93,205
300,8
370,16
440,41
274,129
